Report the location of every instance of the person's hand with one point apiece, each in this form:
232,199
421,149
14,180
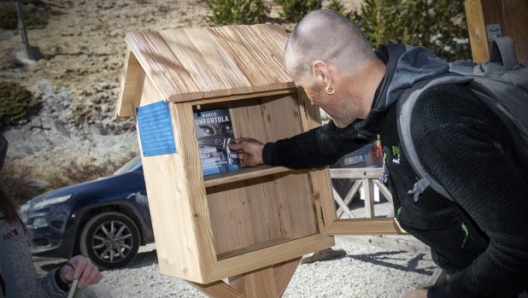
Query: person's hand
80,268
250,151
422,293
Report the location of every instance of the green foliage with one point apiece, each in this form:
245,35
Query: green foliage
295,10
227,12
32,19
438,25
337,6
16,103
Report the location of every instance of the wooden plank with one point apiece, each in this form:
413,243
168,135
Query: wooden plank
248,120
514,23
509,14
262,197
251,248
477,31
218,63
343,208
269,46
269,256
367,198
131,87
242,97
244,174
260,67
159,63
257,284
231,220
217,289
349,197
364,226
267,282
213,72
192,186
295,206
283,117
177,245
356,173
284,273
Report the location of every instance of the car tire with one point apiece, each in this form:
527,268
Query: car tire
110,240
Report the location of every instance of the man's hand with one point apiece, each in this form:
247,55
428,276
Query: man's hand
249,151
80,268
422,293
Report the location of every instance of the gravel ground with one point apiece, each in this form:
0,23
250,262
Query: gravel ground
365,271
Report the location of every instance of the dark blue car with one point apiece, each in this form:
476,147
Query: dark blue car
106,220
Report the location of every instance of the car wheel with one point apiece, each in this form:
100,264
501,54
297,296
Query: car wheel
110,240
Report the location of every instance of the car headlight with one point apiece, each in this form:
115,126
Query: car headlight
39,222
55,200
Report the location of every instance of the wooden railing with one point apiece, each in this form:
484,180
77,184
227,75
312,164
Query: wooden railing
366,183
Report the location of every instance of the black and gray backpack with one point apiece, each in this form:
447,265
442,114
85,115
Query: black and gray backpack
502,83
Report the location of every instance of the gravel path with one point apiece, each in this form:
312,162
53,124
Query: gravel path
365,271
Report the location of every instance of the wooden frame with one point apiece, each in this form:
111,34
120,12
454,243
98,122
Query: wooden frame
507,15
195,240
244,225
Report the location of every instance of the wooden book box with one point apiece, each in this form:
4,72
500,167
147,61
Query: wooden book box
254,223
227,224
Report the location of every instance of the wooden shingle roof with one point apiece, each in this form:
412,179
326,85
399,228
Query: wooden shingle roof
201,63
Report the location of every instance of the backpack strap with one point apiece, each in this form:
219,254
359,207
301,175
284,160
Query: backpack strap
406,103
502,51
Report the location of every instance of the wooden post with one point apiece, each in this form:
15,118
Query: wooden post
489,18
32,53
269,282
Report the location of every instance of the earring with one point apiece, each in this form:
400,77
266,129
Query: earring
329,90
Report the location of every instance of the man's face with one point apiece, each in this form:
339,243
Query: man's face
314,91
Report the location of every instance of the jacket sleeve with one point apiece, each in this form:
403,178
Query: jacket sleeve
319,147
469,151
28,284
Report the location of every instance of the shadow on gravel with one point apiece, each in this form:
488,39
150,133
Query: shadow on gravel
396,260
144,259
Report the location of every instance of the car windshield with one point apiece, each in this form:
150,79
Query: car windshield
132,165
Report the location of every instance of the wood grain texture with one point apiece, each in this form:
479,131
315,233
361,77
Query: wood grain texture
242,223
203,63
509,14
173,80
131,86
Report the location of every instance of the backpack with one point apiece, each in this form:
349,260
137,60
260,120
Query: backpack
502,83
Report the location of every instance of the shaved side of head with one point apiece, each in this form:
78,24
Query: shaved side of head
327,36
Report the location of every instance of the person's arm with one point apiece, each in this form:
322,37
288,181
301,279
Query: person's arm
315,148
25,275
55,283
470,155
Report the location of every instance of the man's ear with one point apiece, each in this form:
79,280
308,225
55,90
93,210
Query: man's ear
321,71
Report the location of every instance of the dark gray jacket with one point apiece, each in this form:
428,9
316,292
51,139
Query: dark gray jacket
29,285
482,240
